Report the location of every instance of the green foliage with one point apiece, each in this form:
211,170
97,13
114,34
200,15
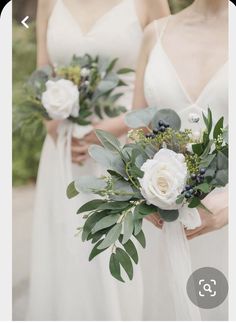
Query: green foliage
178,5
27,144
118,218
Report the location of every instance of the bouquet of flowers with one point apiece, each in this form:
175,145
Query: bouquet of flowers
77,92
161,170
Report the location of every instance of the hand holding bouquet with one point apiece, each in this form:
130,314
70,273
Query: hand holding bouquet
162,170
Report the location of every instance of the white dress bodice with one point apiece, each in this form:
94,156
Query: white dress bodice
164,89
117,34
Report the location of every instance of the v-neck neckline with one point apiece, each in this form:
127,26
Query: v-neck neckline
181,83
94,25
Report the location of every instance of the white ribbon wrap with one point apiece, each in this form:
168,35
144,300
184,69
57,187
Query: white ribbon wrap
63,208
179,262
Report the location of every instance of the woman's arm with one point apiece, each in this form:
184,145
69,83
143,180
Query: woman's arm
43,13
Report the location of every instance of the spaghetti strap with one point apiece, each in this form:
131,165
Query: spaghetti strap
160,33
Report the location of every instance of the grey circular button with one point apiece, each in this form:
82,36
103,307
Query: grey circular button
207,287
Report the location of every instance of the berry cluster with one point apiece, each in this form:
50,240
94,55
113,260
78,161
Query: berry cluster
190,190
162,126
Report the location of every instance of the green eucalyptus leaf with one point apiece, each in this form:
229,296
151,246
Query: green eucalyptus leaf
222,161
95,251
198,149
108,140
141,238
143,209
206,161
169,215
111,237
169,116
101,155
218,128
125,71
131,250
117,205
118,165
105,222
208,120
140,118
204,187
122,190
106,86
137,226
125,262
221,178
91,205
195,202
112,65
90,223
128,227
71,191
180,199
114,267
88,184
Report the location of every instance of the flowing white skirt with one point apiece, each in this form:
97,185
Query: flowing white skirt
210,250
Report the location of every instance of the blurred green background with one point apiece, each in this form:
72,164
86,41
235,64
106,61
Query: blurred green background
26,145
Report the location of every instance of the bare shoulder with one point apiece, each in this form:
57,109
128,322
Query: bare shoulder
151,32
150,10
45,7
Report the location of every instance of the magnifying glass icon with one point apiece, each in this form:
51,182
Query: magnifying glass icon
207,288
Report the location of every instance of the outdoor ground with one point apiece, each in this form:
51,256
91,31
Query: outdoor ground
23,199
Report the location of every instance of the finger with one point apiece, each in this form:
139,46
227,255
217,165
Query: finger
155,220
193,231
77,142
199,233
79,149
79,159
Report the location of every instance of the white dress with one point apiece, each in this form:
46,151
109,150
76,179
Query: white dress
164,89
63,284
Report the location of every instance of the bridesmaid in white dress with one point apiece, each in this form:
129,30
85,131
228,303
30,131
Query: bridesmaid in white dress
63,284
183,66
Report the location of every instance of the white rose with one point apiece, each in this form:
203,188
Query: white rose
61,99
164,179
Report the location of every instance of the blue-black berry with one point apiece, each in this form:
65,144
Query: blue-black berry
161,123
188,187
162,129
201,177
188,195
155,131
150,136
202,171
